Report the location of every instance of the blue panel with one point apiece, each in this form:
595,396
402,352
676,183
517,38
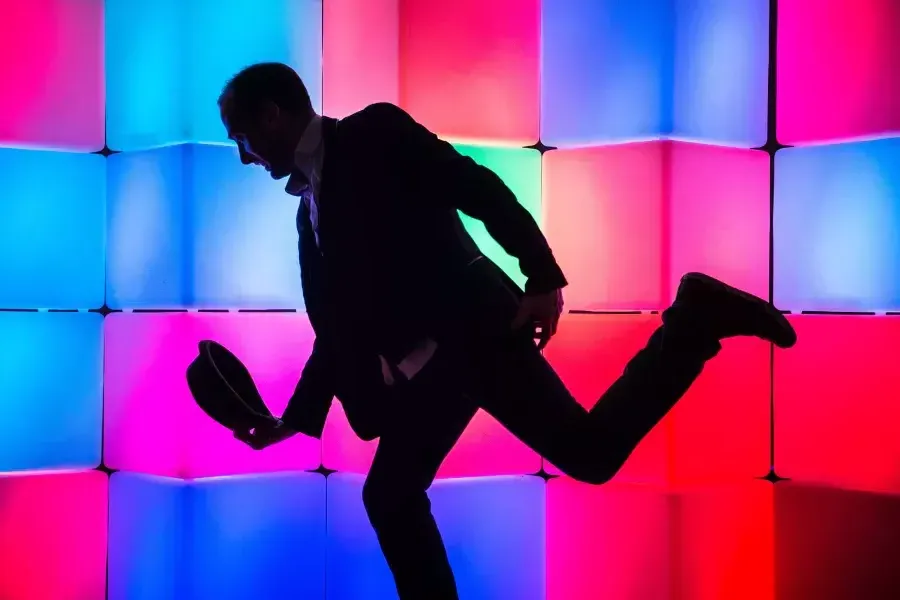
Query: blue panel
721,71
168,60
145,73
244,233
837,218
52,218
606,71
51,371
146,538
191,227
149,264
260,536
493,527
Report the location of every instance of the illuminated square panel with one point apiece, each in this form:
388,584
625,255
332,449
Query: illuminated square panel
485,448
493,529
832,544
360,54
470,70
147,537
836,403
610,541
190,226
837,75
169,60
51,374
148,403
837,211
54,61
726,542
520,170
53,531
52,223
603,217
721,73
589,353
606,71
260,536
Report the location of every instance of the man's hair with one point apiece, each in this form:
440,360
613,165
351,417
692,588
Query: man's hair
262,82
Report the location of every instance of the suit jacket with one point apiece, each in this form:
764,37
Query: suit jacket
394,263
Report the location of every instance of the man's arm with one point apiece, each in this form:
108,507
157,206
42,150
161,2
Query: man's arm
308,407
475,190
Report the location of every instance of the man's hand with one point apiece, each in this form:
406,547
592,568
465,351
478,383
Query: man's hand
271,432
540,311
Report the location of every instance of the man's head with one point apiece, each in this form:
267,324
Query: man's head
265,109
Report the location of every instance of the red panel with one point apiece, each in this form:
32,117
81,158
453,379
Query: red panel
469,69
725,543
52,72
589,353
837,69
835,544
360,54
610,541
603,216
53,531
721,428
836,403
719,215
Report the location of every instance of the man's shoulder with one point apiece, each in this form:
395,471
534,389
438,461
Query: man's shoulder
377,113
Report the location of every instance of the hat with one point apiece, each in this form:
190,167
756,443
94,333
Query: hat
223,388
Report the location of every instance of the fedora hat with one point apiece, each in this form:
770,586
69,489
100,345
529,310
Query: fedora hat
223,388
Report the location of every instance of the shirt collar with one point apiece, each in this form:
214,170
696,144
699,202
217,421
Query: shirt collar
306,156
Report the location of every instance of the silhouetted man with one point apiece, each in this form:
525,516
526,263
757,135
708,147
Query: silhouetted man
415,329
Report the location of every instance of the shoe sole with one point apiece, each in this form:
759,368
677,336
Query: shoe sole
770,310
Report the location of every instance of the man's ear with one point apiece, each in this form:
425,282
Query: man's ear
270,112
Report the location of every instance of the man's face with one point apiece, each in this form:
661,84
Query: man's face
260,140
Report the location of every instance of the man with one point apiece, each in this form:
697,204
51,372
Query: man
415,330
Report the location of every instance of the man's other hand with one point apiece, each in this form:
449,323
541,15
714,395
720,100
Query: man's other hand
271,432
540,311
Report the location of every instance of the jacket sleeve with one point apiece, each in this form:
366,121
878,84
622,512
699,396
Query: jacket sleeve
308,407
475,190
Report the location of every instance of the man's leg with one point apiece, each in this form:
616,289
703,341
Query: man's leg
518,387
429,417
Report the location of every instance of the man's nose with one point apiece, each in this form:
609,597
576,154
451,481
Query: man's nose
245,158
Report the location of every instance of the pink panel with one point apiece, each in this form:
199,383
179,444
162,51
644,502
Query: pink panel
55,84
610,541
836,403
469,70
603,216
360,62
837,69
485,448
721,428
589,353
148,404
719,215
725,543
53,529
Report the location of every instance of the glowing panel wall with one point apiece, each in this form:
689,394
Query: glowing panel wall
53,535
622,71
51,374
218,538
190,226
53,70
836,403
837,211
837,75
148,403
169,60
627,221
496,523
469,70
52,222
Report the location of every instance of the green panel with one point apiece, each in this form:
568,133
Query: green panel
520,170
